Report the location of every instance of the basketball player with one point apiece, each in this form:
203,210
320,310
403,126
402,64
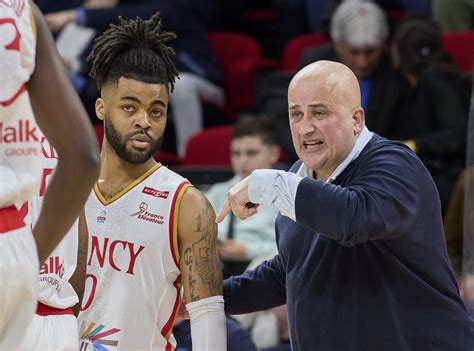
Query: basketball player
61,277
35,89
150,231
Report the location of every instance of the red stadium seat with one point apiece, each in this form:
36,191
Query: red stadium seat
209,147
294,48
239,56
460,47
99,132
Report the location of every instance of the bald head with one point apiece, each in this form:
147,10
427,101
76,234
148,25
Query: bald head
325,115
337,79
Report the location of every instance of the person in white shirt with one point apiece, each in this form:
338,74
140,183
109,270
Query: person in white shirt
253,146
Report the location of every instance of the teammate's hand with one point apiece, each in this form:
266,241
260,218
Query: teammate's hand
238,202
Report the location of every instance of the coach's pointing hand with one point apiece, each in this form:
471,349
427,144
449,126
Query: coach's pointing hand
238,202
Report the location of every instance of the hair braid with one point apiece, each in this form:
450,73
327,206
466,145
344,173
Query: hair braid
134,49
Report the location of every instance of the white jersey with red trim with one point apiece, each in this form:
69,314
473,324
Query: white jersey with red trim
54,288
20,152
133,277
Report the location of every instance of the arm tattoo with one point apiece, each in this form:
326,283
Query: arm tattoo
188,260
201,257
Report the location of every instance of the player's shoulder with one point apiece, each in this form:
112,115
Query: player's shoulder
164,171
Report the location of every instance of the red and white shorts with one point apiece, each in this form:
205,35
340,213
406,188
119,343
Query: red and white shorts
52,329
19,269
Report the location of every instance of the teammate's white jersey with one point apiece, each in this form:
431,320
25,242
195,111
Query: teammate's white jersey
54,288
133,277
20,152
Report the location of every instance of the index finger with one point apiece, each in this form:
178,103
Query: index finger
224,211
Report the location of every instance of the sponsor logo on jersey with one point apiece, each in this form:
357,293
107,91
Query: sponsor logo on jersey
96,337
102,216
52,266
23,132
156,193
146,215
141,209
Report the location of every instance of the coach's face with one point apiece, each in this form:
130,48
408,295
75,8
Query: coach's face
325,115
134,114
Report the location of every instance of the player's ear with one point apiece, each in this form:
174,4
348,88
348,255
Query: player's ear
100,108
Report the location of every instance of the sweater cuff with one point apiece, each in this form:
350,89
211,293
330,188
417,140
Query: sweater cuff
276,188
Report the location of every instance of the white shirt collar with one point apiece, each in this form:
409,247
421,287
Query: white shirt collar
362,140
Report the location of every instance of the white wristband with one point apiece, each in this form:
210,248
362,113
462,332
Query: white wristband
208,324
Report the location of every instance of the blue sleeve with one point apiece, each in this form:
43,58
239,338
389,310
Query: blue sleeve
381,201
238,339
256,290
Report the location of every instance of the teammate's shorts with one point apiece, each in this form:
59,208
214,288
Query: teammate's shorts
18,278
52,332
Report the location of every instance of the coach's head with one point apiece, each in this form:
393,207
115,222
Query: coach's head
325,115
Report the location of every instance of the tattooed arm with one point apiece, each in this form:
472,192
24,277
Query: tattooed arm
197,241
200,272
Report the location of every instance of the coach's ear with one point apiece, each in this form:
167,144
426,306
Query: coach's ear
100,109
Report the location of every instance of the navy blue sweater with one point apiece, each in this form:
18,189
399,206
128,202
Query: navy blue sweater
364,267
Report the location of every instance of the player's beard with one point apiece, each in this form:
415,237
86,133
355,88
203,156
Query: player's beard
119,144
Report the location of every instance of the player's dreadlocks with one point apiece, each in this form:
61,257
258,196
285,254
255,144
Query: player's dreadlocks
134,49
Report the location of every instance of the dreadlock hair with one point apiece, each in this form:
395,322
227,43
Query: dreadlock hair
134,49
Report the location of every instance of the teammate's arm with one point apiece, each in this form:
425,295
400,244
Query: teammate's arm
63,120
78,279
200,271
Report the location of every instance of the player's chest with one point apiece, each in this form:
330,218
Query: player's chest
133,217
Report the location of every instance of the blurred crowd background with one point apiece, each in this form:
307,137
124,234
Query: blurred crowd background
228,112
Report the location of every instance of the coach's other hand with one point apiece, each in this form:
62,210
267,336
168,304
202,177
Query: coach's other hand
238,202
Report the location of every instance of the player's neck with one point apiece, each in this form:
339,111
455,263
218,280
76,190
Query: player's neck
116,174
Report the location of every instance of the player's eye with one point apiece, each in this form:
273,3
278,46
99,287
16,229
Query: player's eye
128,108
156,113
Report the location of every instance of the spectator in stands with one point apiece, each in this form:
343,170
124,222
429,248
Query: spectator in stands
200,74
359,31
320,11
454,15
431,114
253,146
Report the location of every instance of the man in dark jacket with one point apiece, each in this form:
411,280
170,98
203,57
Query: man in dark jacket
362,261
